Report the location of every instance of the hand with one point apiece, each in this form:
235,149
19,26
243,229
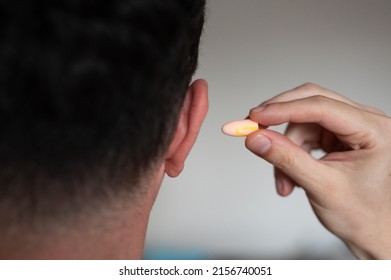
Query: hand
350,187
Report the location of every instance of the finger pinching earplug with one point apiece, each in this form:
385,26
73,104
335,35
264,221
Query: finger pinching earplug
240,128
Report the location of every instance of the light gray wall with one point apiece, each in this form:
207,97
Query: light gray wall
224,204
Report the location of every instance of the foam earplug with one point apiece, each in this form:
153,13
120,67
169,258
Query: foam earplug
240,128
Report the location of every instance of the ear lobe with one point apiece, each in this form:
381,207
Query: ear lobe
192,115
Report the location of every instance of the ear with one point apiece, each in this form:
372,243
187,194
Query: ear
192,115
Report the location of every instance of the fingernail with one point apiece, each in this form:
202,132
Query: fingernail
258,109
280,186
260,144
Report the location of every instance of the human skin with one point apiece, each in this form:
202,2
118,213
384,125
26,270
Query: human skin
119,231
349,188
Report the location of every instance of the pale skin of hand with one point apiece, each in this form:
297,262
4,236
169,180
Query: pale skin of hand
349,188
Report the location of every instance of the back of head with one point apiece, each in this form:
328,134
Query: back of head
89,98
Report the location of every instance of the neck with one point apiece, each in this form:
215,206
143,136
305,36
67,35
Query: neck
122,239
119,234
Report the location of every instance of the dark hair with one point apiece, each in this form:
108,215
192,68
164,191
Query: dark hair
90,93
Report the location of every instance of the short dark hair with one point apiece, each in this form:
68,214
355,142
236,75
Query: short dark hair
90,93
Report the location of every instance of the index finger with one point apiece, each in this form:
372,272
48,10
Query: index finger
309,89
353,125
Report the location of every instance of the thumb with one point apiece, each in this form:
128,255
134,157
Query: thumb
289,158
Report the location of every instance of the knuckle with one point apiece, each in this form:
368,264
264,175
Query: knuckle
385,122
320,99
310,87
376,111
377,130
284,162
320,103
379,112
385,126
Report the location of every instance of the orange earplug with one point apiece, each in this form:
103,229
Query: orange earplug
240,128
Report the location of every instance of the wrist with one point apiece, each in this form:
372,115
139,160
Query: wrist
371,251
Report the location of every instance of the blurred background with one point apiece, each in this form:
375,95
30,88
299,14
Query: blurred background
224,204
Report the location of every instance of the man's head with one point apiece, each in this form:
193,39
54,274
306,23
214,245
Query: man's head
95,104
